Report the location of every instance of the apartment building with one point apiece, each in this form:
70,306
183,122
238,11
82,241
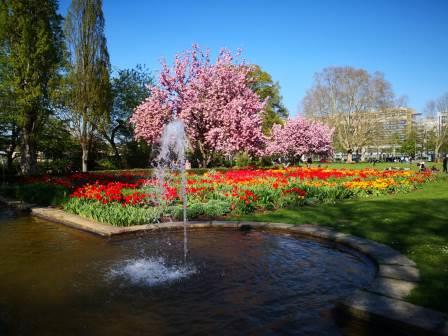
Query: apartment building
391,129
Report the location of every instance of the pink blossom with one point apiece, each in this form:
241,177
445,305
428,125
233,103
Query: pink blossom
220,111
298,137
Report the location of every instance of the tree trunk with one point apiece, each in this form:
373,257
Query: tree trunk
111,140
9,161
11,147
436,153
85,156
112,143
28,162
205,157
363,154
116,153
349,156
205,161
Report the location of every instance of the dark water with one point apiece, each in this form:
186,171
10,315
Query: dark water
58,281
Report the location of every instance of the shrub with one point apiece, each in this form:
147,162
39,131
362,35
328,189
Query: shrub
213,208
37,193
242,159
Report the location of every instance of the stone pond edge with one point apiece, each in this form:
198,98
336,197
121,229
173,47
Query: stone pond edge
381,301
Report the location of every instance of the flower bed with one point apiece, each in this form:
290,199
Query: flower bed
132,198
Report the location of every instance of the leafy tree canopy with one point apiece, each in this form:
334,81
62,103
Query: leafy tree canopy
274,111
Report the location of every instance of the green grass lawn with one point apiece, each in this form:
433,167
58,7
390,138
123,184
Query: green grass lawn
415,224
380,165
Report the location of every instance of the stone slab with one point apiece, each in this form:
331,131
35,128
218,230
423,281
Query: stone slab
226,224
253,225
75,221
315,231
406,273
393,288
170,225
279,226
381,253
418,320
199,224
134,229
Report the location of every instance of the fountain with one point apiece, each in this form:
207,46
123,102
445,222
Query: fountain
235,282
156,270
172,158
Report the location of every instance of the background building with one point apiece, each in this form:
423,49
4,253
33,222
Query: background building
392,128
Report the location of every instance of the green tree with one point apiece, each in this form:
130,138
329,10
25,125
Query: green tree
31,55
88,80
263,85
437,112
9,127
409,145
57,146
129,89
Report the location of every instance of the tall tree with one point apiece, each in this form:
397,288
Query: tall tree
349,100
437,111
88,79
31,54
129,89
274,112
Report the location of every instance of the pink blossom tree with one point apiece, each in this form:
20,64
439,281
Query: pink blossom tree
214,100
298,137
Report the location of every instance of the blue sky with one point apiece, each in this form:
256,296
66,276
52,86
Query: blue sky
407,40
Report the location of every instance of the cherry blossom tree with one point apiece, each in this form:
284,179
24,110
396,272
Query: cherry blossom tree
299,136
214,100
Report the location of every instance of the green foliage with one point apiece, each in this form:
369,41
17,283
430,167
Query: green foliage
112,213
242,159
408,146
129,88
264,161
137,154
107,164
55,142
55,166
36,193
328,194
210,209
88,90
263,85
31,55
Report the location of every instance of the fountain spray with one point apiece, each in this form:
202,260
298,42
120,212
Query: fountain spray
172,158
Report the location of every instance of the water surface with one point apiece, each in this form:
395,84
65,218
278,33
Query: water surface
59,281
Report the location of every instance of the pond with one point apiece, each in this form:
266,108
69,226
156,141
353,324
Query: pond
55,280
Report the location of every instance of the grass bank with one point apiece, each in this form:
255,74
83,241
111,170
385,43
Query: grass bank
415,223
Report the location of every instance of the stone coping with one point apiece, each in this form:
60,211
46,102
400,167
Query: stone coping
381,301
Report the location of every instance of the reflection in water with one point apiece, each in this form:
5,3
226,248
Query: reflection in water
59,281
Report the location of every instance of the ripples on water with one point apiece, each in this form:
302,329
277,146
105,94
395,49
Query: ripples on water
150,271
59,281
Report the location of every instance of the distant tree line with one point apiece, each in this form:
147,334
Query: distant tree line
360,106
